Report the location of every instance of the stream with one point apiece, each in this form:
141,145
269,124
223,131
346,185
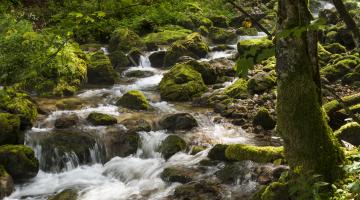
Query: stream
136,176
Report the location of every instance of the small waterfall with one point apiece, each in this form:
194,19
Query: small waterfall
144,61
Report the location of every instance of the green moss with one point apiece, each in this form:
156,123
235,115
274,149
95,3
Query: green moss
100,70
276,191
334,105
181,83
16,102
261,82
253,52
350,132
197,149
208,74
68,194
193,45
241,152
124,40
134,99
221,35
247,31
166,35
237,90
99,119
19,161
10,129
119,59
335,48
69,104
335,72
171,145
220,21
264,119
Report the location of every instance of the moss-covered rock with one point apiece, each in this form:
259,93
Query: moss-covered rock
264,119
193,45
19,103
120,142
208,73
178,121
157,59
351,78
124,40
218,152
66,121
166,35
134,99
68,194
350,133
335,48
220,21
338,70
19,161
100,119
221,35
119,59
178,174
247,31
231,172
10,129
237,90
100,71
261,82
252,52
171,145
139,74
69,104
59,144
6,183
197,149
241,152
181,83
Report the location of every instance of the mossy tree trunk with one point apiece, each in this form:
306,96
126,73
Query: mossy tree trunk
308,140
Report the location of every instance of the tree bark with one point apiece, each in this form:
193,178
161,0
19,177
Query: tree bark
349,21
308,140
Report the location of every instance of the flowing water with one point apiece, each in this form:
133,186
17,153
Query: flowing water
136,176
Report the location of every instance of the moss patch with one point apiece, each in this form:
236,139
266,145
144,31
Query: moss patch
237,90
100,119
10,129
166,35
134,99
240,152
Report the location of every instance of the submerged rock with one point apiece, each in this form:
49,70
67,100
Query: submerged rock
139,74
241,152
193,45
171,145
350,133
66,121
181,83
68,194
178,174
134,99
119,142
199,191
19,161
264,119
134,125
100,119
6,183
178,121
62,147
218,152
10,129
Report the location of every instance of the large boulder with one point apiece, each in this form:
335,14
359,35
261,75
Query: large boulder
19,103
178,121
19,161
58,148
264,119
66,121
166,36
193,45
171,145
10,129
100,70
181,83
157,59
350,133
6,183
134,99
221,35
208,73
124,40
100,119
252,52
120,142
260,154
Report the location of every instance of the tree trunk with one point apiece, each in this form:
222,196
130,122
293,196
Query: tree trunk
308,140
349,21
